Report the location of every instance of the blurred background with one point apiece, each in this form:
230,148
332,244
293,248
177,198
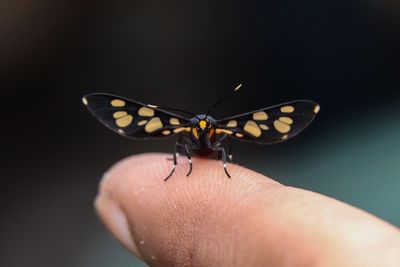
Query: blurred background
343,54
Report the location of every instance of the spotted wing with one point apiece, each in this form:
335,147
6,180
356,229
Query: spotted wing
272,124
133,119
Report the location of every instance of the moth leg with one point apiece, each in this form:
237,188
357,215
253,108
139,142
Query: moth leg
174,165
230,156
177,152
216,147
221,138
218,143
223,152
185,146
219,154
176,147
174,155
189,158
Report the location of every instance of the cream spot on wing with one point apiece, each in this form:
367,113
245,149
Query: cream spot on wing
316,109
166,132
239,135
153,125
146,112
252,128
152,106
264,127
174,121
124,121
281,127
118,103
260,116
84,101
287,109
180,129
121,131
285,137
231,123
119,114
219,131
286,120
142,122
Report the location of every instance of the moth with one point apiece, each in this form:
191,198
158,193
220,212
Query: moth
201,134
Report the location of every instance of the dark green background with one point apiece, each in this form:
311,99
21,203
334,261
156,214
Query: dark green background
342,54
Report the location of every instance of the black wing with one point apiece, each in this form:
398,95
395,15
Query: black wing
134,119
270,125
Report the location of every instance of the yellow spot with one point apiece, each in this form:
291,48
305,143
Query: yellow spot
124,121
287,109
239,135
142,122
195,133
84,101
174,121
119,114
153,125
121,131
180,129
260,116
252,128
219,131
286,120
231,123
166,132
202,124
264,127
118,103
284,137
146,112
281,127
152,106
316,109
237,87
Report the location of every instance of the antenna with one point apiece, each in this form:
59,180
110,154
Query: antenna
221,100
174,109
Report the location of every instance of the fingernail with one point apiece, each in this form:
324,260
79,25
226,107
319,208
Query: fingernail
116,222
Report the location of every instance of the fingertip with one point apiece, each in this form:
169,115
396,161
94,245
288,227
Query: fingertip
116,221
137,184
198,218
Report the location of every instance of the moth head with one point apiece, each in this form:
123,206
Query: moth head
204,125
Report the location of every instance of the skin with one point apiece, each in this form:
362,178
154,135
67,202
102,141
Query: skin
250,220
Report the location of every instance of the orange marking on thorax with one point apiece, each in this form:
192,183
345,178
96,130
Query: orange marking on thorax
211,132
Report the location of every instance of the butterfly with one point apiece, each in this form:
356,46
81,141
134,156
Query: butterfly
201,134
